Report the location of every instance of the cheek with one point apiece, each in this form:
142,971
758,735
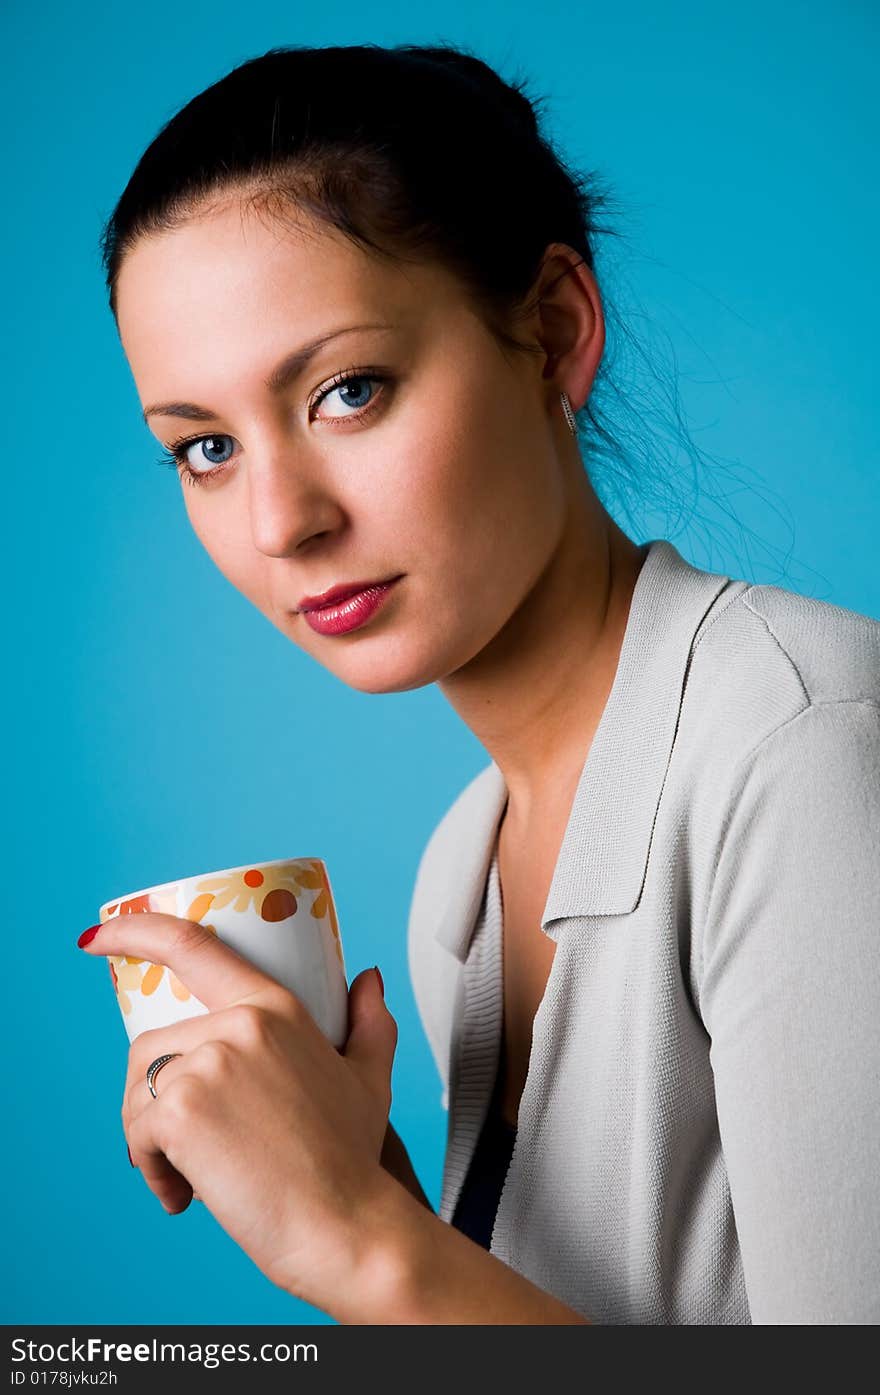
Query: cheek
480,525
490,500
230,548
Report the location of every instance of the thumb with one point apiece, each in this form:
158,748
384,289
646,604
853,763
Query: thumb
372,1033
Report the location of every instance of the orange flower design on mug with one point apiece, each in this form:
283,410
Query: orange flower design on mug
273,892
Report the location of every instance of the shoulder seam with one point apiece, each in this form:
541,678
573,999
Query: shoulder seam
809,707
744,764
774,636
717,616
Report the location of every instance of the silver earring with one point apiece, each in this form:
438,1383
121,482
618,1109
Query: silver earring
569,414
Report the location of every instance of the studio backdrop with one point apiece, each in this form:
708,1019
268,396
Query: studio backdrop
157,725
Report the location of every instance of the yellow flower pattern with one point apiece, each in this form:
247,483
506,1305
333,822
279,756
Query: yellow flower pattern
271,890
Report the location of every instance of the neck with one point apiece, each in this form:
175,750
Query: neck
533,697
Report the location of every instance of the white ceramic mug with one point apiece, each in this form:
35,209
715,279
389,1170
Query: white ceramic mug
280,915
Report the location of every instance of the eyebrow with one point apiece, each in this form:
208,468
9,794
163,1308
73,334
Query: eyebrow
281,376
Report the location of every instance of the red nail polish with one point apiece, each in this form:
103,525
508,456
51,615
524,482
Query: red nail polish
88,935
379,977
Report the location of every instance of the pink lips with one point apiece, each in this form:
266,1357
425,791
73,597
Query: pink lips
350,614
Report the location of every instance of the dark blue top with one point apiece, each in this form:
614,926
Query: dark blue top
478,1200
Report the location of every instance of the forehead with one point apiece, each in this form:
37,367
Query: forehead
237,270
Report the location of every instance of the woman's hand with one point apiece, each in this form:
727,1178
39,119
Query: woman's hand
278,1132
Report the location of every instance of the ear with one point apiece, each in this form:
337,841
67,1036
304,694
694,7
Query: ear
568,323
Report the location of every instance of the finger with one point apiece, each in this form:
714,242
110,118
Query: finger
154,1042
169,1185
163,1179
146,1048
213,971
233,1024
138,1094
372,1037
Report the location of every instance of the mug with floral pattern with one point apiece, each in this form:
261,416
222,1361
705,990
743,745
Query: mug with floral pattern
280,915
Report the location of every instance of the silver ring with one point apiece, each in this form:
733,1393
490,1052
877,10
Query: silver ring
569,414
156,1066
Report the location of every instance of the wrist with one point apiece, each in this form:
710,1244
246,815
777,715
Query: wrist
404,1265
420,1270
384,1257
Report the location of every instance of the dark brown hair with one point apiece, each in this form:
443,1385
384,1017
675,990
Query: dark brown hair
413,152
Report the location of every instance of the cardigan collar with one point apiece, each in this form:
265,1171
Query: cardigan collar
603,858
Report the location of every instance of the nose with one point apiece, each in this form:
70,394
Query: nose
290,500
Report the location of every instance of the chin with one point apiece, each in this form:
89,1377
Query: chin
392,671
387,683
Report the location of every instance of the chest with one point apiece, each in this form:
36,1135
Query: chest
527,957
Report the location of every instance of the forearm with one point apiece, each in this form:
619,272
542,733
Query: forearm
395,1160
418,1270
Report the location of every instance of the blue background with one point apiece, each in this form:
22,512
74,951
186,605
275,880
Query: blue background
140,686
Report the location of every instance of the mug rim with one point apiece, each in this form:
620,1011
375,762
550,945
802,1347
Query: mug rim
194,876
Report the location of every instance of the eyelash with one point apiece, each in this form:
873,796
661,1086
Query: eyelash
174,458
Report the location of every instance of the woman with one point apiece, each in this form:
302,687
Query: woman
644,940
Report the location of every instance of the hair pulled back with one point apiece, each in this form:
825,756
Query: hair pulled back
414,152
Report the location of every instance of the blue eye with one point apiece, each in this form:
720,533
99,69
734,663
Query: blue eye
354,383
354,391
208,445
177,457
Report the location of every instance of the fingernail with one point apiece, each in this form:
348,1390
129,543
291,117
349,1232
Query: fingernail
87,935
379,977
130,1158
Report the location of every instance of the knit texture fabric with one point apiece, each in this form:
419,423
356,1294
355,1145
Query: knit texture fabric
699,1131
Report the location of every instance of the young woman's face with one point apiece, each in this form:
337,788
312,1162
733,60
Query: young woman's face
435,463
